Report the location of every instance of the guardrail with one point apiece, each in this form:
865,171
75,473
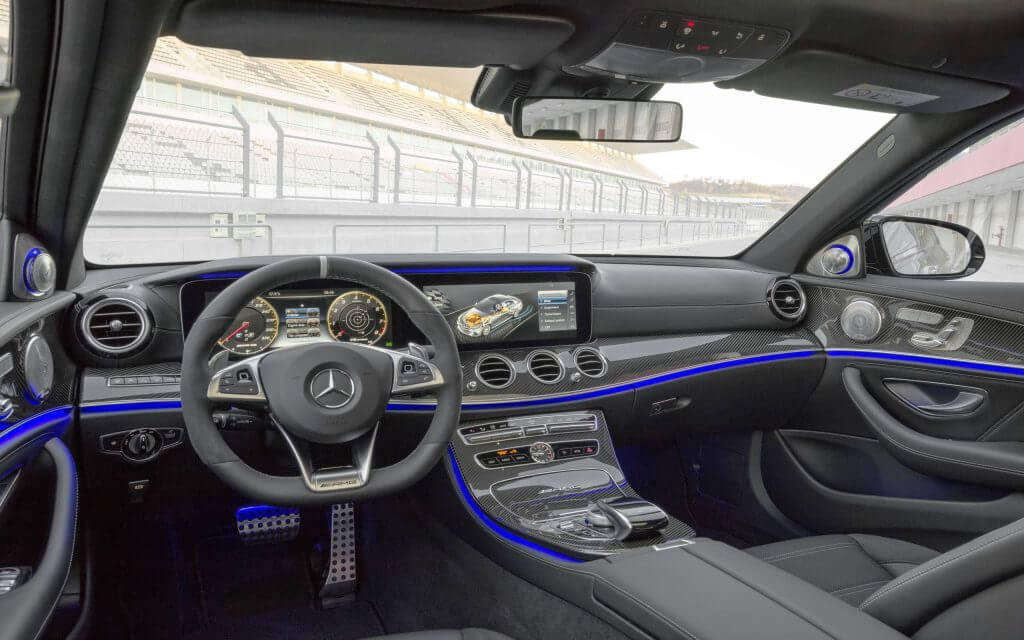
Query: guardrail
320,165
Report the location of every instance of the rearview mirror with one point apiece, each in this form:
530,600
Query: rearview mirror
922,247
597,119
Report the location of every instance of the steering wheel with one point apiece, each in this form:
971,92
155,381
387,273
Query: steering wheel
320,394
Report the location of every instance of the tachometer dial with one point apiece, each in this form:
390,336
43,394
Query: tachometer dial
358,316
252,330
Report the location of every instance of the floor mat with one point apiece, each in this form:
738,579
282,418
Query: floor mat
262,592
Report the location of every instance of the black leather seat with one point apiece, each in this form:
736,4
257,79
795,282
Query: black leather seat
446,634
971,591
850,567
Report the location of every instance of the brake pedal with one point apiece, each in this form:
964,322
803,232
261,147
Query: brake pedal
338,582
262,524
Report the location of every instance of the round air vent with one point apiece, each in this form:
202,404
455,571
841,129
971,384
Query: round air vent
787,299
590,362
495,371
115,326
545,367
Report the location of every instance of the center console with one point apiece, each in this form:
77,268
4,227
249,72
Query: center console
555,478
710,590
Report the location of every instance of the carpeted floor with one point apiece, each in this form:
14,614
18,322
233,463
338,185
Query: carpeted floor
263,593
178,580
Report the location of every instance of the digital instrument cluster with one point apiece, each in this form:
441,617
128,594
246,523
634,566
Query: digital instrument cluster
289,317
484,311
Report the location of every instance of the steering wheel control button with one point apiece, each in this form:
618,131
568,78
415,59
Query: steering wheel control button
239,382
412,371
332,388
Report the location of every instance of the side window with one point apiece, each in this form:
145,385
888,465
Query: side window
981,188
5,41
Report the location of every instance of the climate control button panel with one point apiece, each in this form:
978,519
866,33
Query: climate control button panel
537,453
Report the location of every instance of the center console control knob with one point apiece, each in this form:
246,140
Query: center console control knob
542,452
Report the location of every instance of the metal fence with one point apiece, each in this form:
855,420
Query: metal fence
218,154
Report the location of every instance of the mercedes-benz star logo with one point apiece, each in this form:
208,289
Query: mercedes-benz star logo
332,388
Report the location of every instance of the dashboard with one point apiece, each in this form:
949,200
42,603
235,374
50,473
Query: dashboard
484,311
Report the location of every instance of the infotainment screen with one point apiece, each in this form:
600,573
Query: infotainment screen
508,312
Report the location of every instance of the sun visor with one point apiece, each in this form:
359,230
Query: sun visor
826,77
383,35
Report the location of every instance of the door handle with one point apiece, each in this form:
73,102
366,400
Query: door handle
949,338
936,399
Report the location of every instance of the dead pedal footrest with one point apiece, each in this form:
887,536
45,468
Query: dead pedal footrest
260,524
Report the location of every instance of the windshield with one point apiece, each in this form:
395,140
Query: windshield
225,155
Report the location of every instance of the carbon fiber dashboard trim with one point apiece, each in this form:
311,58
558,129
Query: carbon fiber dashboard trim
96,389
979,341
480,486
631,359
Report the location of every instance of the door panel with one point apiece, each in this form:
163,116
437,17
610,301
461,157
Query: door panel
917,433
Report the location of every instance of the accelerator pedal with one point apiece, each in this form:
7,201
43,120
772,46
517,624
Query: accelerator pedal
338,582
261,524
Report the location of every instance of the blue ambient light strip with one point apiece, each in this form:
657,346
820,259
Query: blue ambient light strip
123,407
26,268
59,418
530,268
254,512
495,527
849,254
929,360
224,275
629,386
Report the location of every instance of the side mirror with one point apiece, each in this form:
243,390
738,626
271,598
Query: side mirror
921,248
581,119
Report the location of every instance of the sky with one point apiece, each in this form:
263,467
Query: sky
743,136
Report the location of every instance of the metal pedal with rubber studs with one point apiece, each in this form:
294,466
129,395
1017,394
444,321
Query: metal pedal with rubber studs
339,575
259,524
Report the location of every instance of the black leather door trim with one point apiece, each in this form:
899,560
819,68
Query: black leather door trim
996,464
26,610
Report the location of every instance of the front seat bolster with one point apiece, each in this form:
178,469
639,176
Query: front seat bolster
919,595
850,567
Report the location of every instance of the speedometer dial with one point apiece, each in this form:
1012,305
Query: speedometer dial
358,316
252,330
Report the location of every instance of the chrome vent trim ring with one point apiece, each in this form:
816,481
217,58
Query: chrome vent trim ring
590,362
491,367
787,299
545,366
115,326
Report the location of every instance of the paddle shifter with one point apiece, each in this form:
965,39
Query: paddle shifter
626,518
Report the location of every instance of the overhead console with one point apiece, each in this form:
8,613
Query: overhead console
668,47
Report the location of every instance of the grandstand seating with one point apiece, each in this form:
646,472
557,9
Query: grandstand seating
373,97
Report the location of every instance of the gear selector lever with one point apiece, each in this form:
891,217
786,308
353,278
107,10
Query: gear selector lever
626,518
